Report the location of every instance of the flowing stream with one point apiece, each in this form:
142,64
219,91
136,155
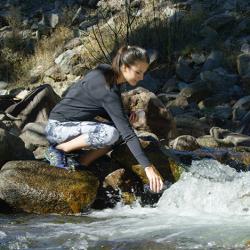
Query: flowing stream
208,208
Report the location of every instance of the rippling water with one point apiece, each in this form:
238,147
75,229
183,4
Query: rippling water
208,208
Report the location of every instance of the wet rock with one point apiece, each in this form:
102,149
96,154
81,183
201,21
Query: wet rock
156,156
36,187
152,114
184,142
12,148
114,179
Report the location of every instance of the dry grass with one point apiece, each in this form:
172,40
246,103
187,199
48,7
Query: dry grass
44,54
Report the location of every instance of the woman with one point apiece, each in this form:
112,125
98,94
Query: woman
72,123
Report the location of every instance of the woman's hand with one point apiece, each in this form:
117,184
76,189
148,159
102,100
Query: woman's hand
155,179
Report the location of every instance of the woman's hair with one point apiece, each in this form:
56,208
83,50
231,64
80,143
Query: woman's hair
128,56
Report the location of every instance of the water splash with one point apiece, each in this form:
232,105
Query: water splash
208,208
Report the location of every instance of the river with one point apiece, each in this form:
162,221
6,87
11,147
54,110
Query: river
208,208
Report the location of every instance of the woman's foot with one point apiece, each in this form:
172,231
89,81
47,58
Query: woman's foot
56,157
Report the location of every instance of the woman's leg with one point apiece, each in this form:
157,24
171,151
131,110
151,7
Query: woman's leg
78,143
92,136
92,155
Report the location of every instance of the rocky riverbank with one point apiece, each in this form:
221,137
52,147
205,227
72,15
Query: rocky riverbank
197,106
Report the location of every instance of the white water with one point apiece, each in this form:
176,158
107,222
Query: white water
208,208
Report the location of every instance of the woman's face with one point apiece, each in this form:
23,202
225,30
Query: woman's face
134,73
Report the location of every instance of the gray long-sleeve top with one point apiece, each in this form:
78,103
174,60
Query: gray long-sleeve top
91,97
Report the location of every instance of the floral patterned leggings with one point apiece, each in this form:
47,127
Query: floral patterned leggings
96,134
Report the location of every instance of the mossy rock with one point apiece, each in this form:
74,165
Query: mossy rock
36,187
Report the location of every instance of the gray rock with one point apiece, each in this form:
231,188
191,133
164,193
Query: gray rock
190,125
3,85
12,148
219,21
243,64
198,58
214,60
217,81
170,86
36,187
33,135
73,43
184,71
78,17
87,24
196,91
184,142
245,48
54,20
243,103
149,83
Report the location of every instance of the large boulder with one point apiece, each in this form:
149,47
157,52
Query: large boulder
33,135
36,187
12,148
35,107
153,116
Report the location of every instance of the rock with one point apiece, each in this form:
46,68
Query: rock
219,21
73,43
190,125
170,86
243,64
36,187
197,58
33,135
214,100
218,79
53,20
214,60
241,107
196,91
184,71
12,148
167,169
207,141
210,37
68,59
245,48
246,83
86,24
78,17
55,73
184,142
180,102
153,116
114,179
35,107
228,138
148,83
3,85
